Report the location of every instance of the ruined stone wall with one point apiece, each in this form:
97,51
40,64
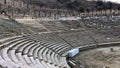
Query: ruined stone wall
21,9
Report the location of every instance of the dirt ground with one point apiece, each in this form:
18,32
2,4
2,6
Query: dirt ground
100,58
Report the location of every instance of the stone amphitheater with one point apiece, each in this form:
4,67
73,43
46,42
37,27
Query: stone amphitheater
42,39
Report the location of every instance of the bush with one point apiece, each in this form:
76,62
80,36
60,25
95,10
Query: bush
82,9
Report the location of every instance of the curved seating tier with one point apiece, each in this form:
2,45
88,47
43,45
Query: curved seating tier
25,52
48,50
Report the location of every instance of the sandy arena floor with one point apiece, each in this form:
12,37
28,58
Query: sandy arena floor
100,58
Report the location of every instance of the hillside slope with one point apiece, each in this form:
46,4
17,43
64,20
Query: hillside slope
79,5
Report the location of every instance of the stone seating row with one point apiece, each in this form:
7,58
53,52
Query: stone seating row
26,53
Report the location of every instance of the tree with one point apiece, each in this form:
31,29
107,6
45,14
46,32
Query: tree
82,9
63,1
100,3
5,1
110,4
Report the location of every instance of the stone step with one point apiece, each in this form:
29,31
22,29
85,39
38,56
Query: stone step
25,57
4,40
48,56
42,63
12,51
40,56
21,59
21,42
44,54
8,43
3,62
22,47
26,50
5,56
13,57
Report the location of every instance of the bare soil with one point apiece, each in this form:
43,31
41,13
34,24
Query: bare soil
100,58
